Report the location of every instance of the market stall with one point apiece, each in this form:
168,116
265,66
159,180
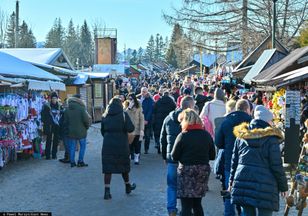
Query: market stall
21,101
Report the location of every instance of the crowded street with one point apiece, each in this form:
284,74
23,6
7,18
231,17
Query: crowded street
67,191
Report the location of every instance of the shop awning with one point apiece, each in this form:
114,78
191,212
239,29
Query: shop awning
294,77
38,85
57,86
15,68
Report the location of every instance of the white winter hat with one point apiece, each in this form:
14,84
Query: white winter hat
262,113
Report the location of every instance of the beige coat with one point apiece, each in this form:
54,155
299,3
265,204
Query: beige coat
137,117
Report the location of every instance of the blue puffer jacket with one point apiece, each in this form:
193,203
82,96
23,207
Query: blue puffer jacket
225,138
170,130
257,174
147,107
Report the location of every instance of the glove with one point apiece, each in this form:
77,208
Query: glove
142,133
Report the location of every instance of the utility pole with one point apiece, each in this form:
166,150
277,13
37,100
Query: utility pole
274,24
17,24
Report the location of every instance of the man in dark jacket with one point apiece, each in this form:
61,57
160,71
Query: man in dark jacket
170,130
147,107
51,114
200,98
225,140
162,108
78,122
257,174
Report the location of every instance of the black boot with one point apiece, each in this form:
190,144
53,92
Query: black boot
107,195
130,187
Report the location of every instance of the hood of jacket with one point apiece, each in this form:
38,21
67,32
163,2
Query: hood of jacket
256,131
166,100
114,109
201,98
75,103
174,115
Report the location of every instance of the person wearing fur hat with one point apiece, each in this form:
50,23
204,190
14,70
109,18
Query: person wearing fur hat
257,174
77,120
50,115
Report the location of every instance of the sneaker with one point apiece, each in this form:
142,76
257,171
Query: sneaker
130,187
82,164
136,159
73,165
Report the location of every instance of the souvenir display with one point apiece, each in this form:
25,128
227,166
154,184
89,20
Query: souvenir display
19,124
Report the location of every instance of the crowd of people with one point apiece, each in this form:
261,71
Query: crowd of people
191,122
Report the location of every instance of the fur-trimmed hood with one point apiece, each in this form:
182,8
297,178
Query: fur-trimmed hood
244,132
73,101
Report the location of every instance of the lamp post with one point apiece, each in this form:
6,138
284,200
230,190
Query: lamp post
274,24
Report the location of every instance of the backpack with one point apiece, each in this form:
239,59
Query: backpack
208,124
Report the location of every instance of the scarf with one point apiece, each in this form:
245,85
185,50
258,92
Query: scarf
193,127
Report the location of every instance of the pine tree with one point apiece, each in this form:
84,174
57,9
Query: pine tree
86,46
171,57
56,36
10,32
157,48
26,37
134,59
72,43
161,46
180,48
150,51
140,54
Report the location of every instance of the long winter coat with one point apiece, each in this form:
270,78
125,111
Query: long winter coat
137,117
115,151
170,130
162,108
225,138
76,119
257,173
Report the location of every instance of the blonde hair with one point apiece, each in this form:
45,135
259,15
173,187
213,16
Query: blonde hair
230,106
189,117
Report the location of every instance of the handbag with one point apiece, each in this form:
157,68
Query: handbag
208,124
130,136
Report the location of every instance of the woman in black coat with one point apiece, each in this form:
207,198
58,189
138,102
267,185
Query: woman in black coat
115,152
193,149
257,175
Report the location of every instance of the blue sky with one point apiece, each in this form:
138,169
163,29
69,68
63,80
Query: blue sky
135,20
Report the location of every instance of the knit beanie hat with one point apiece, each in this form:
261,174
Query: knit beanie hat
54,94
219,94
262,113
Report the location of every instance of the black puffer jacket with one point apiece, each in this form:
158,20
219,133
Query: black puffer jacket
115,151
257,173
162,108
170,130
200,101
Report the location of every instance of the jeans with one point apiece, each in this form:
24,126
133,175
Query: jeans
72,145
171,187
229,208
189,204
147,136
67,148
251,211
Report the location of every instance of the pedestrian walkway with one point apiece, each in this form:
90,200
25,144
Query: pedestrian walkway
41,185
